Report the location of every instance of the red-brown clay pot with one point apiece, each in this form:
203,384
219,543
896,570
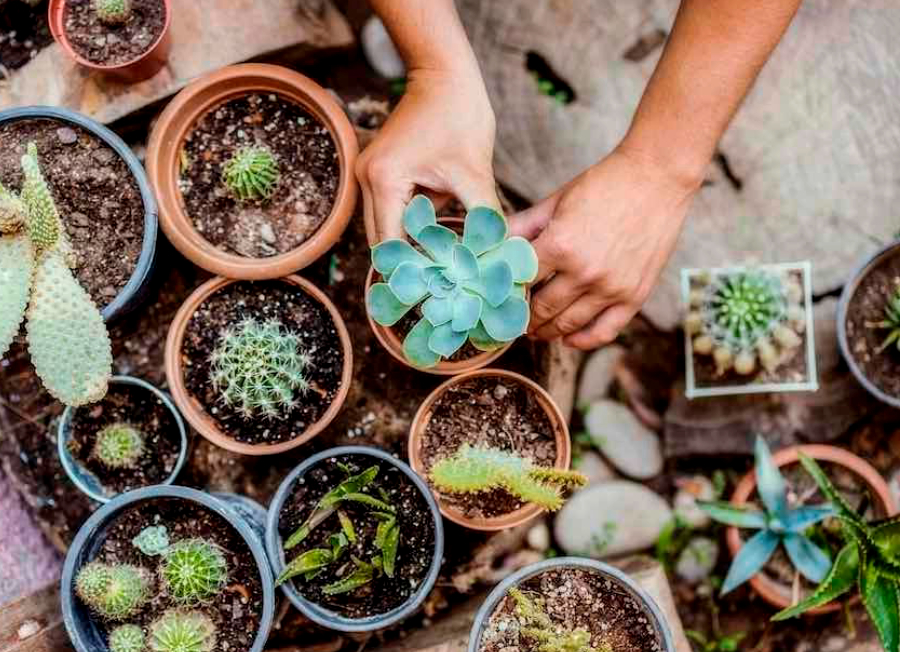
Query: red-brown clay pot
204,95
130,72
195,412
775,593
560,434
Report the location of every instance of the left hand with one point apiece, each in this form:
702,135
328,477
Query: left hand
602,241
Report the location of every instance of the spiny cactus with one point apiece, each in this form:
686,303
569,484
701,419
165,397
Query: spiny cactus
152,540
259,368
113,12
473,469
12,211
126,638
119,446
251,173
193,570
891,322
737,316
536,625
471,289
182,631
112,591
67,338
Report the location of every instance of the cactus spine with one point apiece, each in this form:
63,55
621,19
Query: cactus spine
126,638
114,592
113,12
119,446
183,631
193,570
251,174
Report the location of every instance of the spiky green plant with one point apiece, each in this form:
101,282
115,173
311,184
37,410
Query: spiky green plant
778,524
119,446
67,338
112,12
891,321
476,468
193,570
251,174
126,638
468,289
259,368
183,631
536,625
153,540
114,592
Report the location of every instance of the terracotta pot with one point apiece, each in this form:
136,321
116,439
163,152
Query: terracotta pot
560,434
195,412
773,592
138,69
195,101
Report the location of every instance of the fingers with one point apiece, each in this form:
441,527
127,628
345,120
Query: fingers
573,318
530,222
604,329
557,295
384,198
475,189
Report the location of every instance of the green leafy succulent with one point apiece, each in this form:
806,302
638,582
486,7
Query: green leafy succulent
193,570
126,638
536,625
113,12
252,173
891,322
112,591
471,288
183,631
778,523
153,540
119,446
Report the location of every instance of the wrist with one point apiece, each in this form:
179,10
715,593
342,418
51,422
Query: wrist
683,168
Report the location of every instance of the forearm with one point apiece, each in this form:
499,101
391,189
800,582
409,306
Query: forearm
714,53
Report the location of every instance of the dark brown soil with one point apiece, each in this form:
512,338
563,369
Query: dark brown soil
98,199
308,164
113,45
867,307
299,314
576,598
237,609
23,32
142,410
495,412
414,553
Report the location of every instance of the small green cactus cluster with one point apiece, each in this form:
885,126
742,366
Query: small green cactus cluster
113,592
126,638
251,174
474,468
183,631
193,570
112,12
259,368
153,540
891,321
737,317
536,625
119,446
68,341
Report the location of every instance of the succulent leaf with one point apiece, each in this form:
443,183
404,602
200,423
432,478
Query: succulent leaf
438,241
507,321
482,341
549,636
886,536
466,312
182,631
415,345
16,271
812,562
841,506
438,311
724,512
418,214
464,265
311,560
153,540
799,519
770,483
750,559
347,526
363,574
840,579
495,283
408,284
445,340
879,595
516,252
387,255
13,211
484,229
44,226
384,306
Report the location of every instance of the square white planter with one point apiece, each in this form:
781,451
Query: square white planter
699,388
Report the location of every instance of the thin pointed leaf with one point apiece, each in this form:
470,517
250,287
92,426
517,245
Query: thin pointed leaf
389,549
886,536
438,311
347,526
383,305
407,284
415,346
797,520
812,562
770,483
466,311
309,561
484,229
418,214
465,265
840,579
386,522
368,501
360,577
750,559
831,493
508,321
438,241
390,253
446,341
729,514
879,595
518,253
353,484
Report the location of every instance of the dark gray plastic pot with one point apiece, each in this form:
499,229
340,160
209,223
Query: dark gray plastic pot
81,626
849,290
138,286
86,481
317,613
654,614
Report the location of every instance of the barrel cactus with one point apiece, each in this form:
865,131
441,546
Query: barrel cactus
113,12
112,591
126,638
251,173
193,570
119,446
471,288
182,631
68,341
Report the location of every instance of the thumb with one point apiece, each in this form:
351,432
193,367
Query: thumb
531,222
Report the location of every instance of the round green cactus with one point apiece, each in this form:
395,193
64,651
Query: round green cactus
259,368
114,592
126,638
193,570
251,173
183,631
119,446
113,12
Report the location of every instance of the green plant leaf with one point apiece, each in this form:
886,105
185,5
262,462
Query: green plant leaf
386,309
879,595
439,285
438,311
446,341
418,214
360,577
518,253
770,483
750,559
484,229
347,526
415,346
840,579
812,562
465,265
482,341
466,311
725,512
799,519
368,501
495,283
389,549
841,506
390,253
408,284
352,485
886,536
16,271
439,242
311,560
506,322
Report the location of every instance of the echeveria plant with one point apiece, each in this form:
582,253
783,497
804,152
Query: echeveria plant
467,288
778,523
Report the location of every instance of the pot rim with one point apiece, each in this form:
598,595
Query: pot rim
194,411
317,613
417,435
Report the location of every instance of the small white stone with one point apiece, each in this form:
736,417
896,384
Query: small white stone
380,51
28,628
697,560
627,443
597,374
691,490
538,537
594,468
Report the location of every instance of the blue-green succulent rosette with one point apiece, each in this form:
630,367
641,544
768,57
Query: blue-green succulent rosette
470,288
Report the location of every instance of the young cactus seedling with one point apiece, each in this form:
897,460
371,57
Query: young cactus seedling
193,570
471,288
114,592
113,12
183,631
536,625
472,469
119,446
153,540
251,174
126,638
891,322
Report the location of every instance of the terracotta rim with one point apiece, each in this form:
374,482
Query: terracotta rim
194,411
560,433
774,592
195,101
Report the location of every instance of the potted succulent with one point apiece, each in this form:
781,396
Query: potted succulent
134,437
494,448
572,604
749,329
258,367
125,39
253,169
458,297
355,539
168,569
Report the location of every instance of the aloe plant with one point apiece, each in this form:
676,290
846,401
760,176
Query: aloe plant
891,322
778,524
869,560
537,626
470,288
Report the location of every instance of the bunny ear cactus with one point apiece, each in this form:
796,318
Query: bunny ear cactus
470,288
536,625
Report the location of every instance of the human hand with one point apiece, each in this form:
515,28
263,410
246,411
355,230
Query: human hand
602,241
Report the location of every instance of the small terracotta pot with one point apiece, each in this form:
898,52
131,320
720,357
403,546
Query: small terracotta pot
204,95
560,434
195,412
775,593
138,69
